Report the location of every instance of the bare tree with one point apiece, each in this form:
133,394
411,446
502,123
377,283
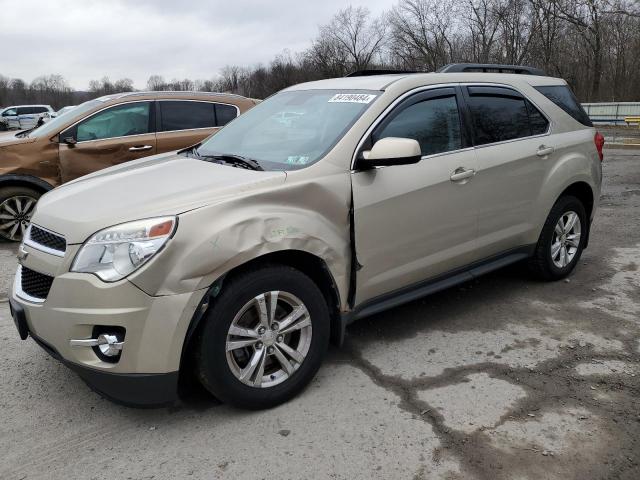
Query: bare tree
354,38
422,33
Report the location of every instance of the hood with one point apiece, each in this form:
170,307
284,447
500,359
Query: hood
150,187
8,139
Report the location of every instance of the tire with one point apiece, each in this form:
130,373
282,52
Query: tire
238,305
548,264
16,207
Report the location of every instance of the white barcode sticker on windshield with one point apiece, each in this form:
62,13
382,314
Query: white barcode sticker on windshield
352,98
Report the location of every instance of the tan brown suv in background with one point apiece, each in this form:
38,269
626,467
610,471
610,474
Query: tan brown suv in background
101,133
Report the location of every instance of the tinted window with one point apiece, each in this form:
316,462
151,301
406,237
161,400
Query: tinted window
434,123
537,121
563,97
24,110
186,115
497,118
39,110
225,113
120,121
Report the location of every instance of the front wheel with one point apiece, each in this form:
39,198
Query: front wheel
562,240
16,207
264,338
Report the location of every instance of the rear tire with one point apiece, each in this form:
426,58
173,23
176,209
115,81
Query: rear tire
561,241
250,353
16,207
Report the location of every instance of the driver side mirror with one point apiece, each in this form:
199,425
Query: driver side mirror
69,141
392,151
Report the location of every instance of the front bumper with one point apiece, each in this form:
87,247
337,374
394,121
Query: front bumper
146,373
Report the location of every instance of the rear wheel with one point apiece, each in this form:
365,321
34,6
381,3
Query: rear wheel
562,240
264,338
16,207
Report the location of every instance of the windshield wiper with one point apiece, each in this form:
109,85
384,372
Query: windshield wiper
227,158
25,133
236,160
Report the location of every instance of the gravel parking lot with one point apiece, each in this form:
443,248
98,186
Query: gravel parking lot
500,378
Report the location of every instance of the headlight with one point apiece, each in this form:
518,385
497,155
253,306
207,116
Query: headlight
115,252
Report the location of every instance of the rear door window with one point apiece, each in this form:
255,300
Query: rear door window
119,121
563,97
186,115
497,114
433,122
225,113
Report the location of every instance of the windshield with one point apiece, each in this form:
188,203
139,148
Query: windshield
53,125
292,129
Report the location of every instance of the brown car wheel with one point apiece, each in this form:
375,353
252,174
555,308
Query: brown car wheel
16,207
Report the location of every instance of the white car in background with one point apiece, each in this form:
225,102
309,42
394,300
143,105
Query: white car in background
64,110
23,117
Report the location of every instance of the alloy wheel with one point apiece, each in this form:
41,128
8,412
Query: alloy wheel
268,339
566,239
15,215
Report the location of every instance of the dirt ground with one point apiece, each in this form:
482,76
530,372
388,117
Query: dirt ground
500,378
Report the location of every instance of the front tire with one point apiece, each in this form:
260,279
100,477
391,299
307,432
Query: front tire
16,207
561,241
264,338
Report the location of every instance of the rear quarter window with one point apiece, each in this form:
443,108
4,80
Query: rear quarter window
563,97
225,113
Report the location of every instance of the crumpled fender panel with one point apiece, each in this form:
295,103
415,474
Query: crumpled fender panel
309,213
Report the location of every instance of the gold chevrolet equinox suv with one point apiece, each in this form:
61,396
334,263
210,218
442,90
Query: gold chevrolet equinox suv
236,261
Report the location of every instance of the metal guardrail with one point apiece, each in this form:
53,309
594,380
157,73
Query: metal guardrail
612,113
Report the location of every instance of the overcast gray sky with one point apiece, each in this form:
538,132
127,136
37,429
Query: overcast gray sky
87,39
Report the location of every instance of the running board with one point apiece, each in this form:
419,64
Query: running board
442,282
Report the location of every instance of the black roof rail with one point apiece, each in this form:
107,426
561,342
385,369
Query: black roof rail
368,73
490,67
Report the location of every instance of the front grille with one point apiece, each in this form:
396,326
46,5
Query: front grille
46,238
35,284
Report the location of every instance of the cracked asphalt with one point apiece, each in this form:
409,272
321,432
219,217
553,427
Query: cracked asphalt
500,378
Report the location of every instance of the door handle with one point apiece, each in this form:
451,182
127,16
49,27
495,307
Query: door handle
461,173
543,151
140,148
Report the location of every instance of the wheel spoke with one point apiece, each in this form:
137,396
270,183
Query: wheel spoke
9,209
4,216
273,305
296,314
6,225
291,352
261,306
284,361
555,249
29,206
18,204
571,221
563,256
574,240
305,322
243,332
260,370
235,344
12,234
256,359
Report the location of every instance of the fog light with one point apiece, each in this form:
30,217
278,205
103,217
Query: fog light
108,344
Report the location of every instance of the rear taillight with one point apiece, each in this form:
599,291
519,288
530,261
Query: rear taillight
599,141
